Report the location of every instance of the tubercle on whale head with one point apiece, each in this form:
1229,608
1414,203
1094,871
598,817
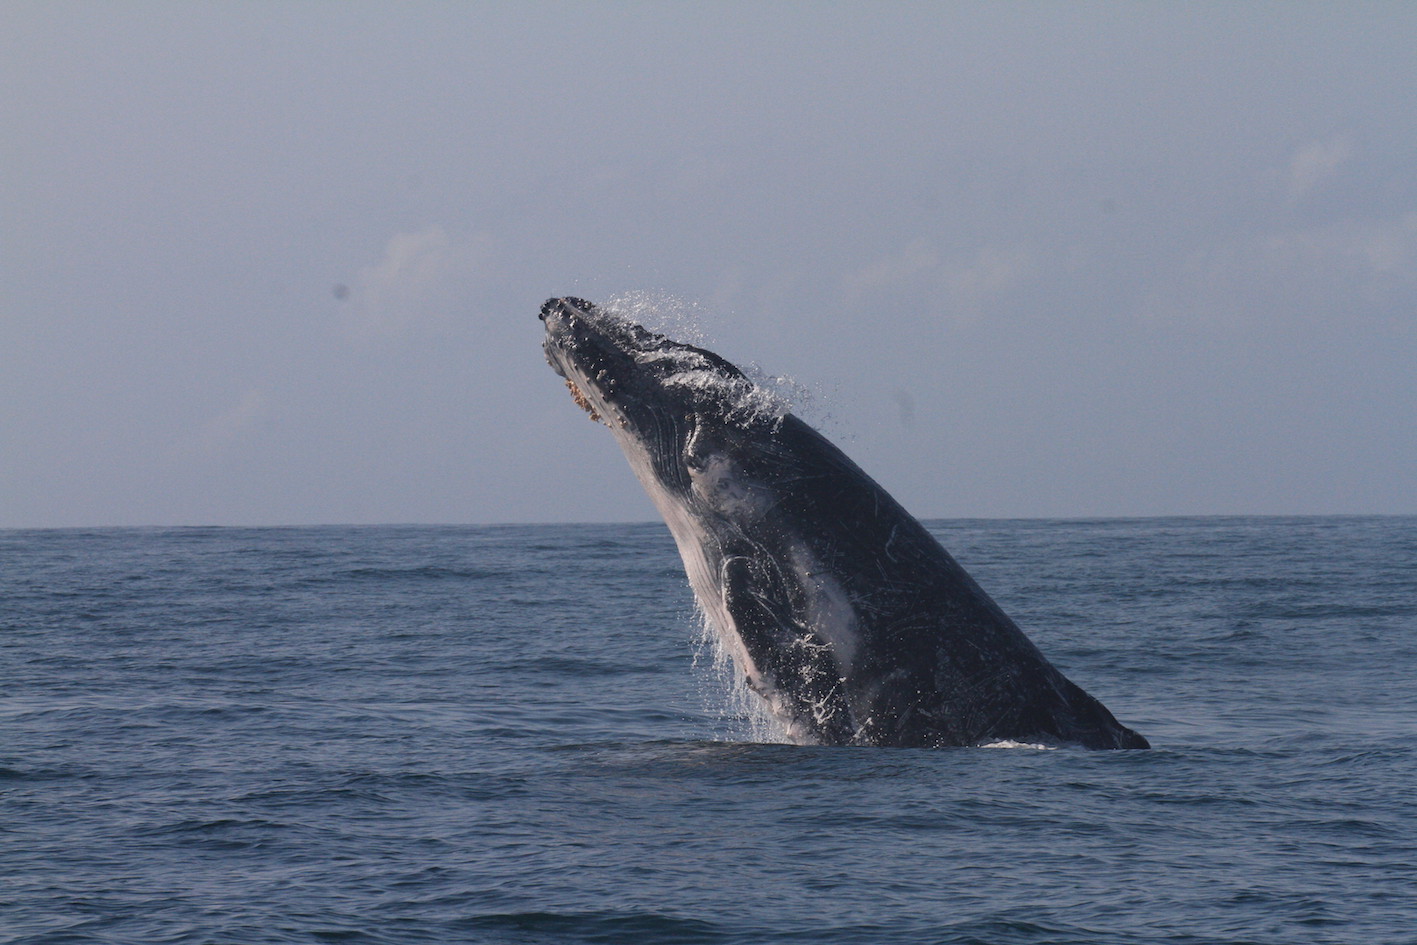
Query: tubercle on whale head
566,302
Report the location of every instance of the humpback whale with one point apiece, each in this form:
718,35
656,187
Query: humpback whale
840,610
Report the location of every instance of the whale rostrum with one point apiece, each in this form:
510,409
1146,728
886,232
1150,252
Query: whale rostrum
840,610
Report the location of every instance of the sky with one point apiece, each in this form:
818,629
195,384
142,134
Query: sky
280,263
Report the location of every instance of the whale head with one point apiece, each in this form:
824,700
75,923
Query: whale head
676,409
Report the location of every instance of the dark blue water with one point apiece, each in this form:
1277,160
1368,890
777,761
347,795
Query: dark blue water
511,735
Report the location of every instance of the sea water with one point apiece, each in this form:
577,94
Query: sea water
518,735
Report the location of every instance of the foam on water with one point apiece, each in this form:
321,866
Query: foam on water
1010,743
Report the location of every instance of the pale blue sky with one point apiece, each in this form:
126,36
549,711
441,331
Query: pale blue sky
281,263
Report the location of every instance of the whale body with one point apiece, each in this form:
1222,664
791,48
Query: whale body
840,610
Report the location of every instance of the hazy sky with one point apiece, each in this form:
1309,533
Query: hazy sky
281,263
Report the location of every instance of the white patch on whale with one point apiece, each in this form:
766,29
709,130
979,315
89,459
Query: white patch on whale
829,611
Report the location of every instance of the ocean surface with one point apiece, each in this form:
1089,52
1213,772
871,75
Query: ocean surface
520,735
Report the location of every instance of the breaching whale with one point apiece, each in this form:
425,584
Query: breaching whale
839,608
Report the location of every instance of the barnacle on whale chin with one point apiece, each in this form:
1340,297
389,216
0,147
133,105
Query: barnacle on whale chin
581,401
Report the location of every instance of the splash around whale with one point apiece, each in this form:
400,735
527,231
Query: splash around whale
840,610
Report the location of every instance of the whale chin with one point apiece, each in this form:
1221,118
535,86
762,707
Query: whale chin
850,621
